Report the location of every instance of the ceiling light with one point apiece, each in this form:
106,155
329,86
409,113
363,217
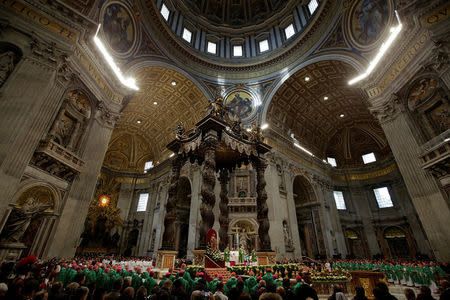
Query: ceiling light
248,129
128,82
155,103
264,126
384,47
171,155
341,115
174,83
139,121
325,98
307,78
303,149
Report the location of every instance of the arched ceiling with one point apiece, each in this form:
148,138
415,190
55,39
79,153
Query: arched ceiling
156,123
299,107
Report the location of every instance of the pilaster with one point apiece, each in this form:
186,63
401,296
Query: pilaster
429,202
83,188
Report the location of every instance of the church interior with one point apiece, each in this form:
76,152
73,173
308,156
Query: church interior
293,129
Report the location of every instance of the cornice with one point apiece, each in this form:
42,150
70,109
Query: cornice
260,66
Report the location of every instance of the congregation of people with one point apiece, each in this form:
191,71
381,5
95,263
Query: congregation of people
99,278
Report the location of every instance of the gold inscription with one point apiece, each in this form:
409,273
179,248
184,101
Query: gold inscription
31,14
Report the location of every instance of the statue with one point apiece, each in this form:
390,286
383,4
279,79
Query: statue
243,239
20,218
213,243
287,236
6,65
180,131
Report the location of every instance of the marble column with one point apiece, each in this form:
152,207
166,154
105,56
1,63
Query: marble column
261,203
71,222
168,242
148,222
359,199
334,220
194,211
223,217
26,114
209,181
431,205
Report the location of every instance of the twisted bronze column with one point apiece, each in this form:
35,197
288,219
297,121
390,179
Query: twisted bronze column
261,202
223,205
209,181
168,242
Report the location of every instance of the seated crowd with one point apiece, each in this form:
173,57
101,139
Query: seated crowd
98,278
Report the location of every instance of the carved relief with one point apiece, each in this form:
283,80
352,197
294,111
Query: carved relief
7,63
428,104
30,205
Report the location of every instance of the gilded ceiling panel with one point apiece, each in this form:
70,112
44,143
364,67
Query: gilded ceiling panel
166,97
301,107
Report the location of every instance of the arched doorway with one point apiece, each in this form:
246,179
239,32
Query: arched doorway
243,233
309,227
183,211
397,242
354,243
29,219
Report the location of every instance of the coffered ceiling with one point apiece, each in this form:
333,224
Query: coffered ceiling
165,98
300,107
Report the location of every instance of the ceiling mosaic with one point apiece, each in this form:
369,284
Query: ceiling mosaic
316,103
127,152
166,97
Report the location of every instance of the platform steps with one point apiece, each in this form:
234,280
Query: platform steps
209,273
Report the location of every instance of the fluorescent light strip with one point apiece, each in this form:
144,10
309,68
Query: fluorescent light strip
304,149
384,47
128,82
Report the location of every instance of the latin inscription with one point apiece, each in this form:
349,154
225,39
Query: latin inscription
29,13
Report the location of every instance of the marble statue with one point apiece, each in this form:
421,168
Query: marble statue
243,240
287,236
20,218
6,65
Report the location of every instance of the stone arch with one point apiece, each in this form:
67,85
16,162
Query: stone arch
302,181
276,86
136,65
10,55
33,184
396,238
308,218
31,217
235,229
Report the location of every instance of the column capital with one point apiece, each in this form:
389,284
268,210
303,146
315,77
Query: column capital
106,116
388,109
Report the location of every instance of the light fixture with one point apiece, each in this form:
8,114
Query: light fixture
325,98
104,200
303,149
264,126
307,79
171,155
248,129
139,121
384,47
341,115
128,81
155,103
174,83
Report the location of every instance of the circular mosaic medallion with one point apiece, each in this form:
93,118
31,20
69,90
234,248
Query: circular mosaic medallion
421,92
241,103
119,28
368,21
